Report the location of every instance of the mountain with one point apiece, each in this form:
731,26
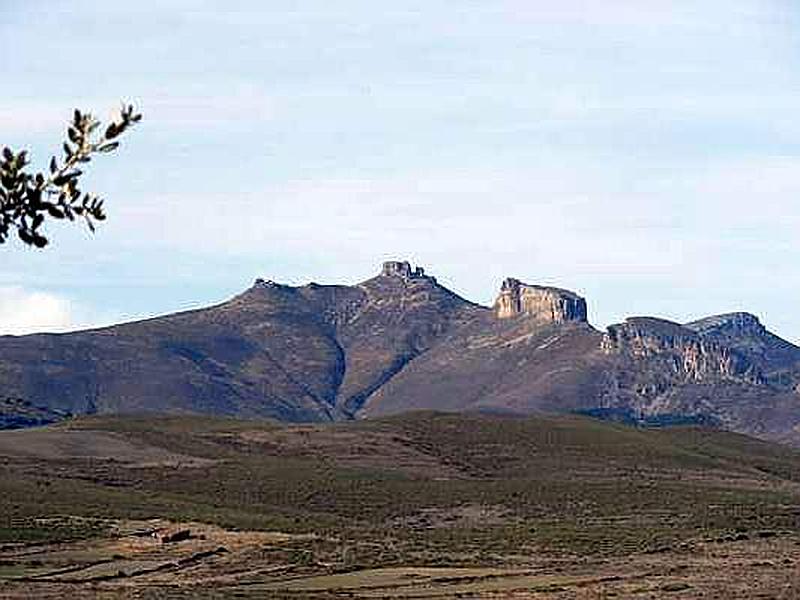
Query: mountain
401,341
778,360
310,353
533,351
658,367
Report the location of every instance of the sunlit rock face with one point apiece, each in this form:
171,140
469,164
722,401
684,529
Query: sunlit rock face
543,304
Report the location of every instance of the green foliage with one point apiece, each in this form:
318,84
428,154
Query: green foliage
28,199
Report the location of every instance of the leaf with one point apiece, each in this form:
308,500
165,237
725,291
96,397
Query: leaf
53,165
110,147
55,212
67,177
112,131
25,236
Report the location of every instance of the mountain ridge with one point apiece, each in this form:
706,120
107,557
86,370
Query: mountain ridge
400,341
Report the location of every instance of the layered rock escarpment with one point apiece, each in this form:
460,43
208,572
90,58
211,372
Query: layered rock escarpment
686,353
661,371
542,304
778,359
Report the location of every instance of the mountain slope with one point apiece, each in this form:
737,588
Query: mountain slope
510,365
646,370
663,368
211,360
778,359
400,315
401,341
305,353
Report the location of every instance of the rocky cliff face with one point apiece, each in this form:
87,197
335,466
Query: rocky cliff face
684,353
543,304
778,359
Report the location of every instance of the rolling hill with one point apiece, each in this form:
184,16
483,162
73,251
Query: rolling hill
417,505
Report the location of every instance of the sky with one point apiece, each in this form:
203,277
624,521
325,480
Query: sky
645,154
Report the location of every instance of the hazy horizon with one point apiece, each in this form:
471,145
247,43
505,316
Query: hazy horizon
644,155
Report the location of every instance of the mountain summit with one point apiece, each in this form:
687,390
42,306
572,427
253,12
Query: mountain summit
401,341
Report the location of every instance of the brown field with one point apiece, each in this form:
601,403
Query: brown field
418,506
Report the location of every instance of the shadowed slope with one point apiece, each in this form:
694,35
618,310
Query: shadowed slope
305,353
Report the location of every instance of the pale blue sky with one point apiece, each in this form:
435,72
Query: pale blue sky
645,154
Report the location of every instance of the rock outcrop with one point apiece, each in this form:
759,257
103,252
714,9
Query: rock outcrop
543,304
266,284
778,359
686,354
396,268
733,324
